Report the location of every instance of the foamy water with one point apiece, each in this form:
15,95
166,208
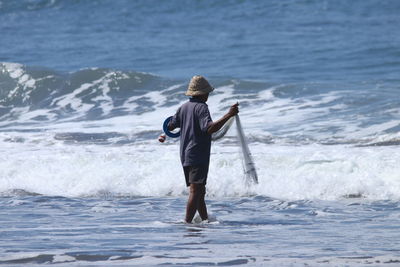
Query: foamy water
85,181
313,147
86,85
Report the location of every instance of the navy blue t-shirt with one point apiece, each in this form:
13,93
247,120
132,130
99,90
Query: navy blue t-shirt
193,118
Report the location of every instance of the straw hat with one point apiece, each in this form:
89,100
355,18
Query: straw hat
198,86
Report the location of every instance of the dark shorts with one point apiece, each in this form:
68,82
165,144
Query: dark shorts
196,174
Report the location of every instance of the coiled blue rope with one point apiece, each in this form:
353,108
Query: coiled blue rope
167,132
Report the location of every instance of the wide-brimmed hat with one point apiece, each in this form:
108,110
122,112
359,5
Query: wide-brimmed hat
198,86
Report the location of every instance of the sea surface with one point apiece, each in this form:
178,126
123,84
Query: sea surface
86,85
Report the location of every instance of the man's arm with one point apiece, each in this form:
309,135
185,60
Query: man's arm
215,126
174,122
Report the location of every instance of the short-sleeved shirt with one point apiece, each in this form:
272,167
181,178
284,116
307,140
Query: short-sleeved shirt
193,118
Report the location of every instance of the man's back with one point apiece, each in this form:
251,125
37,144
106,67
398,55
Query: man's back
193,118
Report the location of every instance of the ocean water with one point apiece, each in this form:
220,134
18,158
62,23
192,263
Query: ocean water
86,85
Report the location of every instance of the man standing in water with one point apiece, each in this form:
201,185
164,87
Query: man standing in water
194,120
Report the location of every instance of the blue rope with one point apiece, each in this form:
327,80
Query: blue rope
167,132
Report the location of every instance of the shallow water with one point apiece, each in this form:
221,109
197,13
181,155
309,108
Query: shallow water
247,230
86,85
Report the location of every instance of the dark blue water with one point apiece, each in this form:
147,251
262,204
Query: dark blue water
86,85
277,41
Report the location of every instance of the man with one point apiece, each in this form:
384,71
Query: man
194,120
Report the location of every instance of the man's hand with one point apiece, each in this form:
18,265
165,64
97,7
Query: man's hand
215,126
234,110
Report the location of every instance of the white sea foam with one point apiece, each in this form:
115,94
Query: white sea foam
38,162
323,117
307,172
24,81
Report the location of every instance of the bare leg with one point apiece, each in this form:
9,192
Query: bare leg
196,203
201,205
191,207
